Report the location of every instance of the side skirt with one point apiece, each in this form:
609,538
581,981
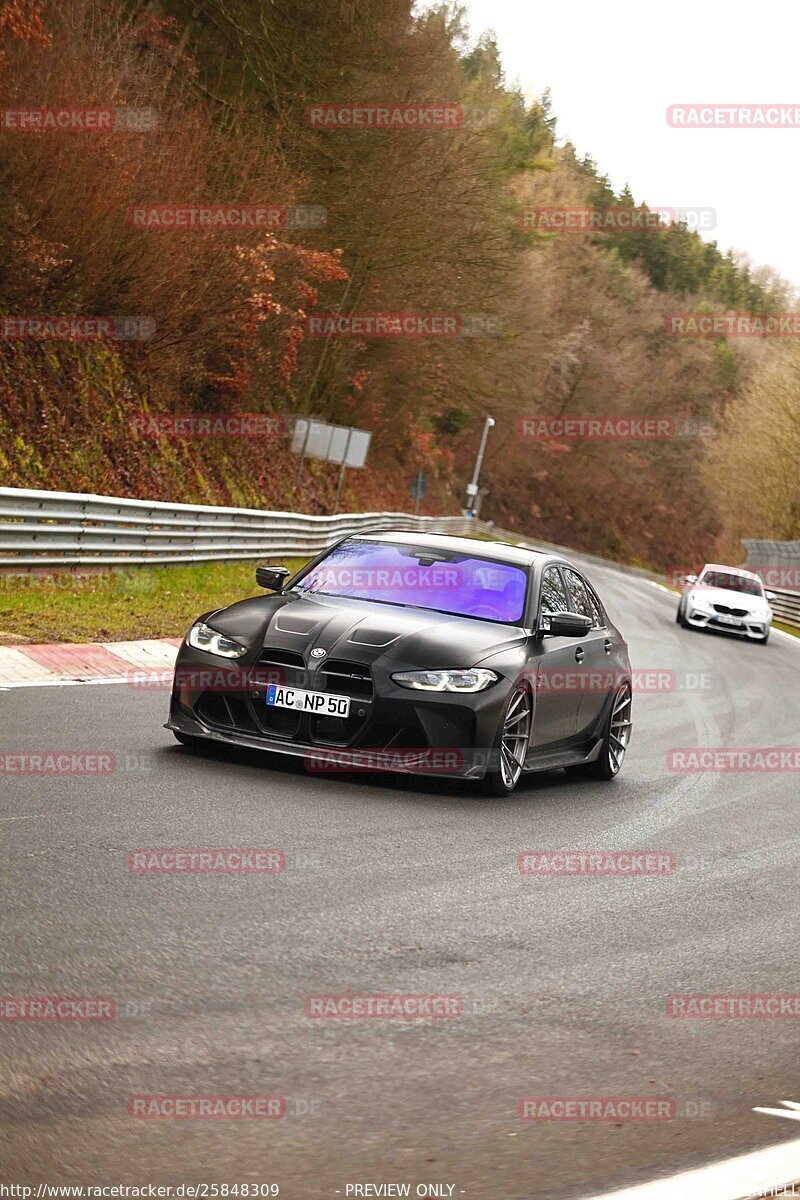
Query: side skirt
565,758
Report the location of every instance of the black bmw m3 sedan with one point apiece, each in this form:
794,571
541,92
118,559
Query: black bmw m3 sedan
418,653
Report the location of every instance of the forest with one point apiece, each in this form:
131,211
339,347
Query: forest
379,271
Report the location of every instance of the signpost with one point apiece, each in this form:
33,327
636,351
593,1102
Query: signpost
482,491
419,489
472,488
332,443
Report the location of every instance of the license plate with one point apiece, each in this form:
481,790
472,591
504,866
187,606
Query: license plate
729,620
321,704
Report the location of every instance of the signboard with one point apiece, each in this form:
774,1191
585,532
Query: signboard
333,443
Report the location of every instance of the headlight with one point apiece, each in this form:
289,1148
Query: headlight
203,638
474,680
697,600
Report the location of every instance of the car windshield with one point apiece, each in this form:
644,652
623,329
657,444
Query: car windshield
731,582
420,577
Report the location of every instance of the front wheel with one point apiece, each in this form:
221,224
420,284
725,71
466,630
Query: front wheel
511,745
615,739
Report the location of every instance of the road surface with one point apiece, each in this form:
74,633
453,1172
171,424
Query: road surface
403,886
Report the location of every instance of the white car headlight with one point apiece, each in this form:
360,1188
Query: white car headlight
204,638
473,680
698,600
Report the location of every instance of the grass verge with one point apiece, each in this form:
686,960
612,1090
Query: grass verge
145,602
118,606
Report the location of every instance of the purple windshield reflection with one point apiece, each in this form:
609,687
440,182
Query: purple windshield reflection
458,584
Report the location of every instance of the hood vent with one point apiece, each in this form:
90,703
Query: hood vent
287,624
364,636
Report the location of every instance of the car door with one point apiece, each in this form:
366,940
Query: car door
557,697
592,653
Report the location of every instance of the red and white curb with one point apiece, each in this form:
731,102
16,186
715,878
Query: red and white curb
95,662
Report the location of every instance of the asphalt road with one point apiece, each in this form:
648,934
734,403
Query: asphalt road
403,886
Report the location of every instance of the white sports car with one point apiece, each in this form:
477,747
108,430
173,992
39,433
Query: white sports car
726,598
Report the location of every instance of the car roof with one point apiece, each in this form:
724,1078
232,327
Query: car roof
500,551
729,570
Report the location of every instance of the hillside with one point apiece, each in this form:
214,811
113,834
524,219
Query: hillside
423,220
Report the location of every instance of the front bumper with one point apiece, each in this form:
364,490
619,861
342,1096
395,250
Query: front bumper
748,627
390,728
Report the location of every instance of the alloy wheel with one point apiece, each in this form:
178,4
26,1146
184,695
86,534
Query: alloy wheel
620,729
515,737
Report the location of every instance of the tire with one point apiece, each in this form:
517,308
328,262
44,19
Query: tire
514,731
609,762
679,616
763,641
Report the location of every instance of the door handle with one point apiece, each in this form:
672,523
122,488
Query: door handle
579,654
607,645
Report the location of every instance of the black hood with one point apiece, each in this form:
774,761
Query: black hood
363,629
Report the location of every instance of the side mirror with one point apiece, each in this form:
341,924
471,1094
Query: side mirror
770,596
566,624
690,579
272,578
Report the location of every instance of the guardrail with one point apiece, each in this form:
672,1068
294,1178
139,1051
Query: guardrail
69,529
761,552
786,606
777,561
